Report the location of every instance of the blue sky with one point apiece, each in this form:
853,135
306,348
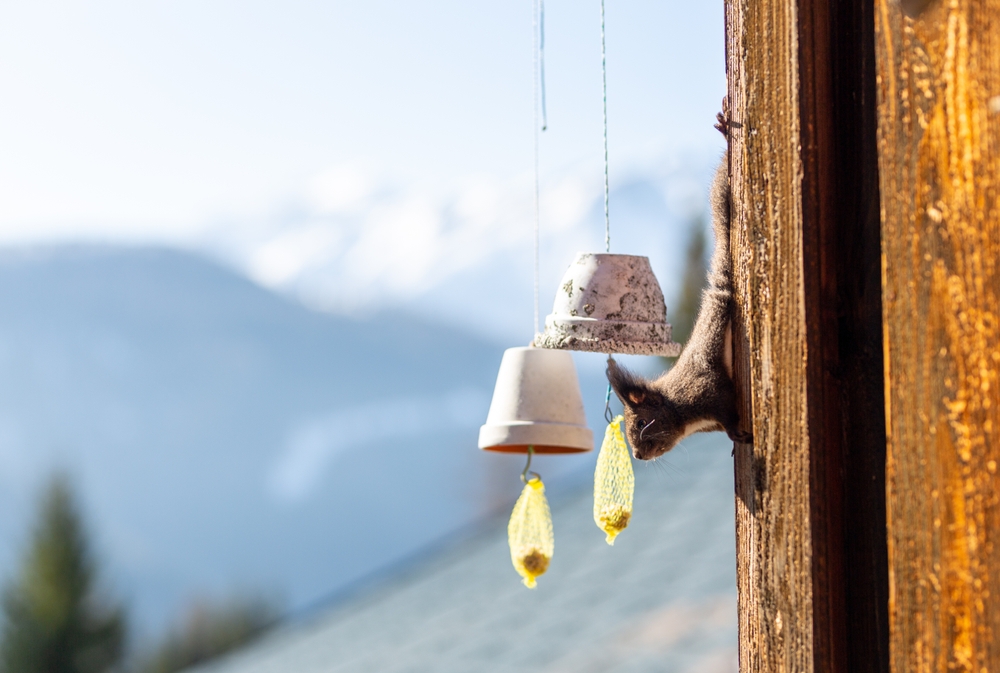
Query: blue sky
256,130
356,155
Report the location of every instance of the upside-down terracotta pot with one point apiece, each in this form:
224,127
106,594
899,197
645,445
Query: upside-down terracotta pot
537,403
609,304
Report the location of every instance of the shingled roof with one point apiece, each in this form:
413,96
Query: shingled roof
662,599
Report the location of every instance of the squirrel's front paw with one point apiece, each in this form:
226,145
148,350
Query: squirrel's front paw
741,436
722,124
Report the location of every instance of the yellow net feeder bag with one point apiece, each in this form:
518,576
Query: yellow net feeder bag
614,483
530,533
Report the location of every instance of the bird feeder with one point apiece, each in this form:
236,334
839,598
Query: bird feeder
609,304
536,403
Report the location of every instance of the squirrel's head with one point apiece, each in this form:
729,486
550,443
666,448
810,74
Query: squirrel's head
652,424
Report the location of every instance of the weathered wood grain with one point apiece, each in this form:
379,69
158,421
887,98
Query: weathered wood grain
811,553
773,527
939,162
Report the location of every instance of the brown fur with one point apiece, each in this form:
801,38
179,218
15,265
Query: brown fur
697,394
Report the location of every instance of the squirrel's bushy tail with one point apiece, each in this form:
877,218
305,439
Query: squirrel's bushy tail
720,274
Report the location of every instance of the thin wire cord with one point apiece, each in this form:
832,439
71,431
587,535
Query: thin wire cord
604,83
607,190
536,52
541,60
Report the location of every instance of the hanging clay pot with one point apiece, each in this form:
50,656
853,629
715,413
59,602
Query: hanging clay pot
536,402
609,304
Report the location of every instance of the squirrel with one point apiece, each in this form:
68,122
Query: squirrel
697,394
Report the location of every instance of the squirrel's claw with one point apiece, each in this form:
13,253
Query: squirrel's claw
722,118
741,437
722,124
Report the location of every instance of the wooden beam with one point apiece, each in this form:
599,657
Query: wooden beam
939,161
811,552
773,531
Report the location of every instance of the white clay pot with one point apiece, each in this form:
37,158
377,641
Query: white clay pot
609,304
536,402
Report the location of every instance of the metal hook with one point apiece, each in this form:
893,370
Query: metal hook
607,398
524,475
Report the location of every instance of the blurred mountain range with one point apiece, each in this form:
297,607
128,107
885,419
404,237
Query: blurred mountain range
223,437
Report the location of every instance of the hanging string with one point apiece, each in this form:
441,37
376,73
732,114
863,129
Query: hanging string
604,84
538,89
607,218
541,60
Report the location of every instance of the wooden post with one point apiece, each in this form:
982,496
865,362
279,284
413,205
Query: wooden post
811,554
939,161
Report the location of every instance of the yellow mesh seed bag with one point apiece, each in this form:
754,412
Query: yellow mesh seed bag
530,533
614,483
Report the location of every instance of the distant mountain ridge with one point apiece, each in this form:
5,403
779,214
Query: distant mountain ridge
223,436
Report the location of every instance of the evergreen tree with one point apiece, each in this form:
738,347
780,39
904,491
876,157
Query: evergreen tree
685,310
54,620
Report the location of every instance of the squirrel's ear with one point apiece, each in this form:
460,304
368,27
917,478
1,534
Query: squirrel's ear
630,388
